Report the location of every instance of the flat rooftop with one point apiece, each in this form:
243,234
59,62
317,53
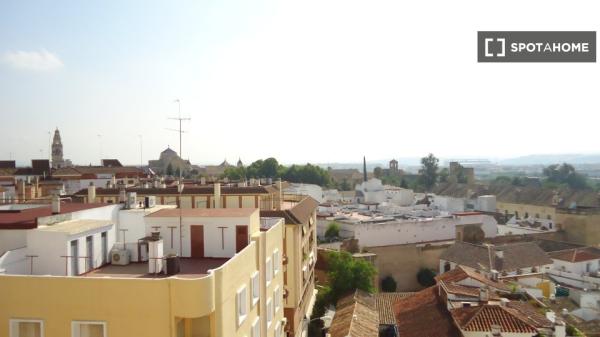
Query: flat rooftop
75,226
204,212
189,268
26,218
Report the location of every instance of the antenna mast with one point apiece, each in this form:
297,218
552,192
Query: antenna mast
180,131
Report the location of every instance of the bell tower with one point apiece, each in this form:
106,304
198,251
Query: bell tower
57,151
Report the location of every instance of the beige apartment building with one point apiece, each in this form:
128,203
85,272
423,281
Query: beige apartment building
230,284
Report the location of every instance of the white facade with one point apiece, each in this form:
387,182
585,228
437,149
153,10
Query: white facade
51,245
399,196
449,204
583,275
220,233
418,230
314,191
371,190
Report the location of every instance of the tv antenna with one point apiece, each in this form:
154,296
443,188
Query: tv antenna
180,131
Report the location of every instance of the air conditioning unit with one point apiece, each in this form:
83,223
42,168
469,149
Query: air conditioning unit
119,257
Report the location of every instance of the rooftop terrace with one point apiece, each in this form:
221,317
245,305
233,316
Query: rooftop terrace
189,268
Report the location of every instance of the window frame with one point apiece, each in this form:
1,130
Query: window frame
11,321
270,314
255,283
277,330
277,299
241,317
276,262
255,330
76,323
269,271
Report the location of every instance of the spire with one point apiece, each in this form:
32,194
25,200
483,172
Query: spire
364,168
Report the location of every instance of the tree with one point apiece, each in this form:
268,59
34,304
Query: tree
332,231
377,172
346,274
388,284
444,174
426,277
564,174
429,171
403,183
345,185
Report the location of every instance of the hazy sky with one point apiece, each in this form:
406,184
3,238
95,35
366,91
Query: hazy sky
316,81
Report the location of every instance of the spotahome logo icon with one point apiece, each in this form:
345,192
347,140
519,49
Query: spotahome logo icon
536,46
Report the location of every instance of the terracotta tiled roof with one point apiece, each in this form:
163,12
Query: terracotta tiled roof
202,212
461,273
530,195
423,315
198,190
530,314
355,316
299,214
481,318
384,302
515,256
457,289
576,255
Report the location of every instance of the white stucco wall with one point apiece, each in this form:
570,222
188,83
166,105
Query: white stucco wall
12,239
50,246
576,267
213,247
421,230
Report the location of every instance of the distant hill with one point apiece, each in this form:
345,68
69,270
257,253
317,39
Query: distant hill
548,159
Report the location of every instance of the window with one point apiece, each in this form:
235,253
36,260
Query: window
256,328
242,305
269,312
277,298
255,288
269,270
278,329
88,329
26,328
276,261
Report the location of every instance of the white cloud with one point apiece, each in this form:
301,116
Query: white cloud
42,60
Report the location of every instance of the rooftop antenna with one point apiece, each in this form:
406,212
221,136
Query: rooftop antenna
180,119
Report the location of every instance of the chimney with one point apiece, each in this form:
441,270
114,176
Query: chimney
22,190
217,195
202,180
280,188
37,187
496,330
55,204
484,294
113,181
91,193
122,196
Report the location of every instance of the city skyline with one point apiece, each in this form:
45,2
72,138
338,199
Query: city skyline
248,75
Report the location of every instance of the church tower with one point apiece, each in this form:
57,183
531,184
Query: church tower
57,151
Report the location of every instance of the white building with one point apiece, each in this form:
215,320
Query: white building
400,232
579,268
314,191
